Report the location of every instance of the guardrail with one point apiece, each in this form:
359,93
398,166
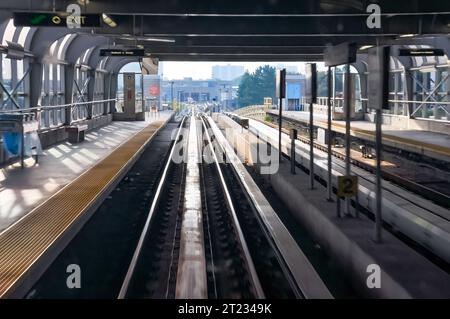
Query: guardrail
53,116
253,111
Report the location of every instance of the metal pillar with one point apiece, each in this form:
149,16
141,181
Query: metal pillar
347,131
329,136
378,141
171,94
311,145
142,94
293,135
280,123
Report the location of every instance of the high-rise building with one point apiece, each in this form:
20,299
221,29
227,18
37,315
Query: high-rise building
227,72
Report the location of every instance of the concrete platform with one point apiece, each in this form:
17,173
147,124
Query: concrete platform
434,145
404,273
21,190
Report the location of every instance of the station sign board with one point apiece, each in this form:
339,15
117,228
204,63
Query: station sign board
343,53
55,19
122,52
378,78
347,186
281,84
311,83
421,52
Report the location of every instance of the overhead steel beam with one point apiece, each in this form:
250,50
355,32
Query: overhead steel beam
239,57
257,41
230,7
232,50
317,26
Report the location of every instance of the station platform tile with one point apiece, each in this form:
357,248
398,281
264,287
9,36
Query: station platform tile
21,190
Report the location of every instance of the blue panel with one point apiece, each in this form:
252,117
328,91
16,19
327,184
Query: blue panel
12,142
293,90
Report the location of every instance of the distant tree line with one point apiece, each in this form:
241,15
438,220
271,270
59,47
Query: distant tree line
254,87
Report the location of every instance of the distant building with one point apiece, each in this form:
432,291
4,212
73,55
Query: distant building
189,90
295,90
227,72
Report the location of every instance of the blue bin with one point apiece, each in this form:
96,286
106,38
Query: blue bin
12,142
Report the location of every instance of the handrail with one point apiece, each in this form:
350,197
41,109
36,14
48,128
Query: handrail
48,107
395,101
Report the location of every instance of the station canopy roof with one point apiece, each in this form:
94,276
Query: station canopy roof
253,30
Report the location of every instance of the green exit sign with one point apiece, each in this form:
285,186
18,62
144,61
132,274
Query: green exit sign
55,19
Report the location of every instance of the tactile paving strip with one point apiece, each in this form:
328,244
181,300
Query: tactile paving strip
24,242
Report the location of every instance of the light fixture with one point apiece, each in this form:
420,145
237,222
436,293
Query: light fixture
159,40
410,35
365,47
107,19
426,68
147,39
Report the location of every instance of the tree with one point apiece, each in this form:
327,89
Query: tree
256,86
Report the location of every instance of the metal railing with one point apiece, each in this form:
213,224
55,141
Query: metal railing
54,116
253,111
420,109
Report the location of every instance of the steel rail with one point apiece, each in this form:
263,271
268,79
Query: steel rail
252,270
137,252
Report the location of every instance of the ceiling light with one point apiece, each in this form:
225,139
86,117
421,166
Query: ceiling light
410,35
426,68
159,40
107,19
147,39
365,47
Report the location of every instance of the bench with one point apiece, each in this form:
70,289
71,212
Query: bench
76,133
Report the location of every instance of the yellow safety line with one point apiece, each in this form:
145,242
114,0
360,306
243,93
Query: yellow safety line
24,242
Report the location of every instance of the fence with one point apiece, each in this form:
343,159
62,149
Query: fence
55,115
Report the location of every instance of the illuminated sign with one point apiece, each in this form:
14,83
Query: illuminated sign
420,52
122,52
55,19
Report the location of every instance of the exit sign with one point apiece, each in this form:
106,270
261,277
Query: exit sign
55,19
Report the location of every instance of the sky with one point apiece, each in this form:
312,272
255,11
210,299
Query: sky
203,70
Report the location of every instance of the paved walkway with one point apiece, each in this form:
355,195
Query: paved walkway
21,190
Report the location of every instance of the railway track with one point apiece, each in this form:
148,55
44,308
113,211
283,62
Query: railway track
240,259
142,248
439,198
